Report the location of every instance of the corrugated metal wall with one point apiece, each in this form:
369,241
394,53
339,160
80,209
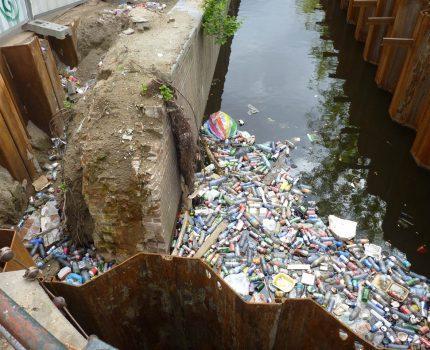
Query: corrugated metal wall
42,6
13,14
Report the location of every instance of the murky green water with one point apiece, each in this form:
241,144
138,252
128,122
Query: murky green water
297,61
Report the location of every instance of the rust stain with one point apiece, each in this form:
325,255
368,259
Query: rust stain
9,238
178,306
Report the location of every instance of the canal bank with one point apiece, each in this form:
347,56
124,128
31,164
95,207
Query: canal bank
306,75
125,159
126,188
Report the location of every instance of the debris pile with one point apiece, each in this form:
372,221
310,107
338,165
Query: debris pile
72,86
257,225
42,229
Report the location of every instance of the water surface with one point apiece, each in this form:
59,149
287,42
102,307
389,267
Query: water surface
297,61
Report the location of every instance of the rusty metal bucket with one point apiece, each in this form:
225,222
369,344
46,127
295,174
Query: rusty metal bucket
153,301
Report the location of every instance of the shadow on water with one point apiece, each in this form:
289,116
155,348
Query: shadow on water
298,62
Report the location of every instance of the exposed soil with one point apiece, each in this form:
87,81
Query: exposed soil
98,28
40,142
13,199
103,171
99,164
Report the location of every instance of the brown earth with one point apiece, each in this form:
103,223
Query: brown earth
117,137
13,196
13,199
40,143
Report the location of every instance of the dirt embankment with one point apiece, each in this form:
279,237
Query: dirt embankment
98,28
121,157
13,199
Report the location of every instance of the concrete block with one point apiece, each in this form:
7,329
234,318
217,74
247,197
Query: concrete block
46,28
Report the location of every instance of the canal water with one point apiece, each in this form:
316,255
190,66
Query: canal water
298,63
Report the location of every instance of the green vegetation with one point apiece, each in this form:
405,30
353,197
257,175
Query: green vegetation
143,89
309,6
166,92
63,187
67,104
216,21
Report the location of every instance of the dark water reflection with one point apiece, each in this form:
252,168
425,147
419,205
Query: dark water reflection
297,61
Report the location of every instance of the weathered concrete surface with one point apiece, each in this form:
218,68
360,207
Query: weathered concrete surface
122,153
31,296
193,70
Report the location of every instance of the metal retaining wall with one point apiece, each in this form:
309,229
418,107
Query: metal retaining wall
397,39
154,301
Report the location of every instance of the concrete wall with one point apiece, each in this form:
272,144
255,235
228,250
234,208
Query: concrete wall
192,74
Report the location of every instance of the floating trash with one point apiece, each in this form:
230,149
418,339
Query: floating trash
220,126
256,224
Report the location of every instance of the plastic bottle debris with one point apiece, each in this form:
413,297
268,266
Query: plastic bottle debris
42,229
342,229
273,243
252,110
238,282
153,6
312,137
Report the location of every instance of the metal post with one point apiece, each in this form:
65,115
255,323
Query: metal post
24,328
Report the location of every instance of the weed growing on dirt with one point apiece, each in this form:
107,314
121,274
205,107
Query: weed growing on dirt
67,104
217,22
143,89
166,92
63,187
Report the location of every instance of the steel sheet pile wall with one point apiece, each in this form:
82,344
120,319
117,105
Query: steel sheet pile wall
9,238
378,26
16,153
397,39
394,51
30,91
161,302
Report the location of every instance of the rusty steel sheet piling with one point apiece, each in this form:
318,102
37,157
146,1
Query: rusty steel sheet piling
413,89
16,153
352,13
379,24
366,9
154,301
9,238
421,147
344,4
36,83
395,45
398,41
